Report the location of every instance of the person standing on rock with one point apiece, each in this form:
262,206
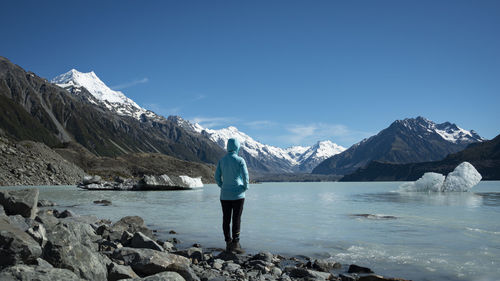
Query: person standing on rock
231,176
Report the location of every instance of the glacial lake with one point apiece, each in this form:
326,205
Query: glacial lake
419,236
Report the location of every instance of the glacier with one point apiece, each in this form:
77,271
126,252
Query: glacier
461,179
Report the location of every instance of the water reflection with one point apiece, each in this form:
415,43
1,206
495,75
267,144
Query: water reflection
466,199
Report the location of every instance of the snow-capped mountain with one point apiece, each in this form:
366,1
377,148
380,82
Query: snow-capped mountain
267,158
410,140
116,101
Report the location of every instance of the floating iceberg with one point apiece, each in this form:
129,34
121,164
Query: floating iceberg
463,178
428,182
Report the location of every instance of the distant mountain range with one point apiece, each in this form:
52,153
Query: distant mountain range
104,121
484,156
267,158
80,108
410,140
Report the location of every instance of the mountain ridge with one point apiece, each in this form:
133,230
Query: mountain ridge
38,110
405,141
484,156
267,158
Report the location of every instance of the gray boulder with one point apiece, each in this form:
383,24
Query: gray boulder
325,265
72,246
47,218
263,256
131,224
307,273
192,253
2,211
19,222
147,262
38,233
23,272
16,246
20,202
358,269
140,240
117,272
45,203
162,276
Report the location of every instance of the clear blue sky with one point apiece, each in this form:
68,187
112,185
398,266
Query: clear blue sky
285,72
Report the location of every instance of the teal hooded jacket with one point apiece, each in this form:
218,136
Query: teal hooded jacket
231,174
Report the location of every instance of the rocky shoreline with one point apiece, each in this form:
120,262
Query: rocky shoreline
48,244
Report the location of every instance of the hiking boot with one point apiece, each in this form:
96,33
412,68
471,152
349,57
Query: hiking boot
236,248
229,245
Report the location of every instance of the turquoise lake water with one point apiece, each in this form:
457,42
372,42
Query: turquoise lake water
426,236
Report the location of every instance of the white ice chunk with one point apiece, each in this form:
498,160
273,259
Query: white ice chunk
463,178
432,182
191,182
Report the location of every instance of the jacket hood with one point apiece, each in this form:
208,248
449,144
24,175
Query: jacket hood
233,145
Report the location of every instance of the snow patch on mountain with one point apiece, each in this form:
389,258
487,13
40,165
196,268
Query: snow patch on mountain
448,131
116,101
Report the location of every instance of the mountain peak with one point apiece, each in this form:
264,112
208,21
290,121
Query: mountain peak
448,131
113,100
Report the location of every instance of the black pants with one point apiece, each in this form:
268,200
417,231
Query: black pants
236,208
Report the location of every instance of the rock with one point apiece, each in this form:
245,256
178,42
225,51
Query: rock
347,277
192,253
66,214
82,256
126,238
119,179
43,263
117,272
20,202
162,276
325,266
23,272
16,246
46,219
45,203
38,233
167,246
106,245
261,265
263,256
374,277
209,274
131,224
172,232
229,256
358,269
276,271
147,262
103,202
2,211
140,240
231,267
19,222
91,179
307,273
217,264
